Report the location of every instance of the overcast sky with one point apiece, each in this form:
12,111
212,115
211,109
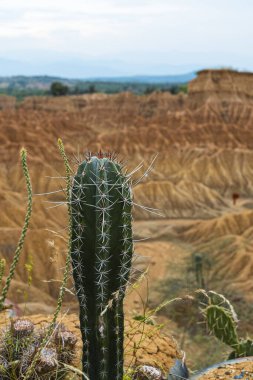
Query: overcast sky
124,37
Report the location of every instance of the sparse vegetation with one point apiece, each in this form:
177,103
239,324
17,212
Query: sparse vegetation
19,344
23,232
190,317
25,353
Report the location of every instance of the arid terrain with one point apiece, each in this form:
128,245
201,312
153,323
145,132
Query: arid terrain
204,143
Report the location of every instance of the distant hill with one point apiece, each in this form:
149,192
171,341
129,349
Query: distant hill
22,86
45,81
151,79
35,82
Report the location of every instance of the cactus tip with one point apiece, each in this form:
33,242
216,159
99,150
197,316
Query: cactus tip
23,152
60,143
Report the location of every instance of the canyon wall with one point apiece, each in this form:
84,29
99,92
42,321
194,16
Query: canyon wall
204,143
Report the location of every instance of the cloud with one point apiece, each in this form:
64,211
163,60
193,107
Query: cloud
90,19
143,31
95,6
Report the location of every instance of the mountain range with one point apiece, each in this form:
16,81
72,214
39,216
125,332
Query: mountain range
44,82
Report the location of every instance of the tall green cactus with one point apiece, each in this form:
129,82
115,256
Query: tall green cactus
102,248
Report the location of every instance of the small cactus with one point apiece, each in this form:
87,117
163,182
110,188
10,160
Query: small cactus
22,328
146,372
66,341
47,362
20,343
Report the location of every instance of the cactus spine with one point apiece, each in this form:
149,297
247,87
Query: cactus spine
102,249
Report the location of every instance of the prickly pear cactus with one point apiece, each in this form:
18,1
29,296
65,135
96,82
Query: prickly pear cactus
221,324
102,249
220,300
243,349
